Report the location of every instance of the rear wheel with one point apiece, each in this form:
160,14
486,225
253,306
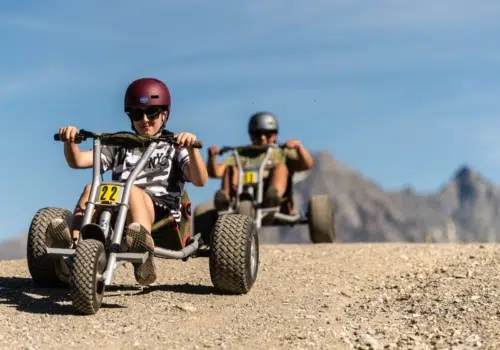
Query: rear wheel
45,271
234,254
87,284
321,219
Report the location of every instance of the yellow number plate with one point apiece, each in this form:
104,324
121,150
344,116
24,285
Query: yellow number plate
250,177
109,194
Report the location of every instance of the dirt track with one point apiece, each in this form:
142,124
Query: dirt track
317,297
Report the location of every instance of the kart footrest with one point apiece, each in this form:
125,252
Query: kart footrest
132,257
287,218
60,252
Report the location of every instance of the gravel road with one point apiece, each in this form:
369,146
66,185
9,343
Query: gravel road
341,296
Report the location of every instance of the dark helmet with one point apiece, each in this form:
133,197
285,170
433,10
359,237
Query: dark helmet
262,121
147,92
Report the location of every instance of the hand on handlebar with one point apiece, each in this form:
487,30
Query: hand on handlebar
213,150
187,140
292,144
68,134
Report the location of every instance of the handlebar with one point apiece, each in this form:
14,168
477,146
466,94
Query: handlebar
126,139
242,149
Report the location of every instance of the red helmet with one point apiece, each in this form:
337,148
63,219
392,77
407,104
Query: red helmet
147,92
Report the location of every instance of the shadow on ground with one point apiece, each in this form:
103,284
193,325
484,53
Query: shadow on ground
185,288
21,293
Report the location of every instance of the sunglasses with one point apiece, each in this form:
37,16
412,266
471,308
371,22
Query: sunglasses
267,134
152,113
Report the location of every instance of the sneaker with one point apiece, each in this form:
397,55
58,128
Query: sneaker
58,234
140,241
271,198
221,201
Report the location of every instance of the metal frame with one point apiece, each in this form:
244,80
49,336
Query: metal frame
258,199
101,230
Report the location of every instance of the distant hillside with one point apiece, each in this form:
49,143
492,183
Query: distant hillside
13,249
465,209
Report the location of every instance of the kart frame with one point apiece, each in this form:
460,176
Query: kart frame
102,231
245,189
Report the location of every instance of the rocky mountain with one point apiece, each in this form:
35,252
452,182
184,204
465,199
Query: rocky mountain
465,209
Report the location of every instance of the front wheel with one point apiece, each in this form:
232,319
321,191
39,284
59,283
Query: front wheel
321,219
234,254
87,284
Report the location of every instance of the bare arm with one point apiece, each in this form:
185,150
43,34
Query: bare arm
195,170
215,170
75,158
304,160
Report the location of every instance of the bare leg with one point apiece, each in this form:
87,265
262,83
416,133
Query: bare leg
140,218
141,209
222,197
79,212
277,187
279,178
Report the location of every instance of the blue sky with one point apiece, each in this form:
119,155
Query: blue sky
404,91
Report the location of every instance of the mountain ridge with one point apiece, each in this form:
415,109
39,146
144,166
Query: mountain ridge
464,208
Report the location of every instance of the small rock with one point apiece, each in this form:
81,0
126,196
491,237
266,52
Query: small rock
186,307
346,294
373,343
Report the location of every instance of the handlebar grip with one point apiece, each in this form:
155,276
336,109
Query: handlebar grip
78,138
198,144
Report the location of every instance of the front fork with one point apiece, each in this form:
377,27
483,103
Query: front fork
105,222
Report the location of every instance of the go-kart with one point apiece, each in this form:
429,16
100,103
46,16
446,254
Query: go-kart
248,200
233,247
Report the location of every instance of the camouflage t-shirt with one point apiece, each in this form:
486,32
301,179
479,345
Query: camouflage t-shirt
286,156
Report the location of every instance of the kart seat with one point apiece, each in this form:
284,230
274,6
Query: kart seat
167,233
